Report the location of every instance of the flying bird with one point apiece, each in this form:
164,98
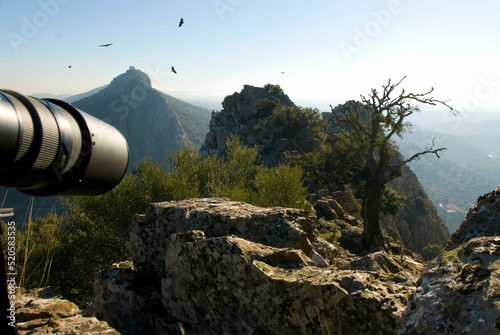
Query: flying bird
106,45
282,72
181,22
173,70
69,66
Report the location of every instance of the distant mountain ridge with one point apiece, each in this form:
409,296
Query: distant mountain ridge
154,123
80,96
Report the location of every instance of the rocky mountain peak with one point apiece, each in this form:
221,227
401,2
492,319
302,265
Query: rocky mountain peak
154,123
249,116
250,95
131,76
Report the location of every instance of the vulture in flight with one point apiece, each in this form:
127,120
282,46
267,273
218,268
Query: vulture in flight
181,22
105,45
173,70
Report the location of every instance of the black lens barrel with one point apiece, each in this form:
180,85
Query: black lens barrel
48,147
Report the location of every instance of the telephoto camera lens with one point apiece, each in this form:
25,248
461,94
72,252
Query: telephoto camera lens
48,147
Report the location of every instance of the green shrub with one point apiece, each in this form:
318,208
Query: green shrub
35,248
432,250
392,201
273,88
280,186
183,178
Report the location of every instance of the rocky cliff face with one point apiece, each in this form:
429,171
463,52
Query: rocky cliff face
213,266
483,219
459,291
418,224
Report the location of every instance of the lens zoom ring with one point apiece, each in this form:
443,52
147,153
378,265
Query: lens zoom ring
50,137
27,129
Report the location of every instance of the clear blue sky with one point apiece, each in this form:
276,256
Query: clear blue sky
329,50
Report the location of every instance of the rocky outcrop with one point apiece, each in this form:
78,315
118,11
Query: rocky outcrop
242,116
42,312
335,205
417,225
275,227
213,266
459,291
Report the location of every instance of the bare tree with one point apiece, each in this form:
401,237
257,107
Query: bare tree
372,124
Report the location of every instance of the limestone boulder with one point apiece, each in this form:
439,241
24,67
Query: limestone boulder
214,266
228,285
275,227
40,313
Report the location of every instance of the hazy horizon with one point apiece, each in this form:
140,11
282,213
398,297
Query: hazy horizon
429,115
